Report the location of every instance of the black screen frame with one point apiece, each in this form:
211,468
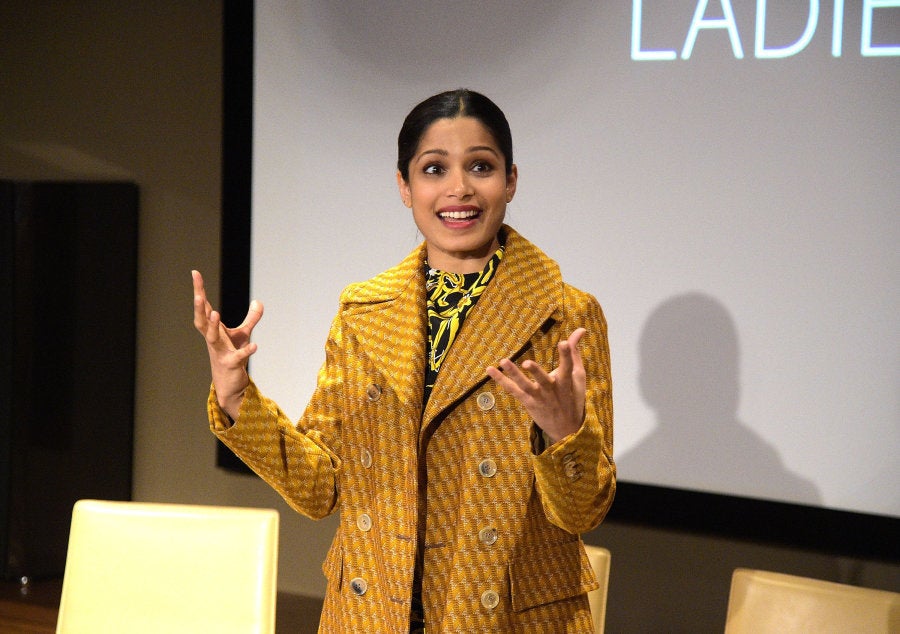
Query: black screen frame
818,529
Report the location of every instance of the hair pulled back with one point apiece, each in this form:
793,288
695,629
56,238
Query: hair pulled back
449,105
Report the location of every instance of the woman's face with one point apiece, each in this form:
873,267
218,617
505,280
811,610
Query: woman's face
458,190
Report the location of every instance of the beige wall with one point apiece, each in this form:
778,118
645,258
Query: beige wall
105,89
131,90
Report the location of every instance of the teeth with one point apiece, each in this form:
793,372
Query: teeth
459,215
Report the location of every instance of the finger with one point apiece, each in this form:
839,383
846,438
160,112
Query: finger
565,360
199,288
515,374
254,314
502,376
570,353
575,350
575,338
202,307
197,280
200,316
215,331
242,354
203,312
539,375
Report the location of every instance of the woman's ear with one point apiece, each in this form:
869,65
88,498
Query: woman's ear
403,186
511,180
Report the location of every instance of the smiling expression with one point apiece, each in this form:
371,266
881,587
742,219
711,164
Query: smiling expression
458,189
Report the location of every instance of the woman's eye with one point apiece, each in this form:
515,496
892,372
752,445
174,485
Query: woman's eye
482,167
433,169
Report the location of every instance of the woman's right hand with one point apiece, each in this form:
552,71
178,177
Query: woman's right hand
229,348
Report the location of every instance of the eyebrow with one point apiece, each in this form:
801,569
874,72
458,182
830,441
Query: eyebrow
475,148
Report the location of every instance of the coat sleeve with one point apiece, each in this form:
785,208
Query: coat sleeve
300,461
576,477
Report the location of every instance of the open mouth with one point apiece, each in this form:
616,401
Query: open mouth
459,215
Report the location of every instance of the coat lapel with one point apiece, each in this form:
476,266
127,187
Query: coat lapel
387,316
525,292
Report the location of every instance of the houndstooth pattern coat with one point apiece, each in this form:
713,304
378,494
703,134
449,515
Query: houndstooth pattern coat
500,513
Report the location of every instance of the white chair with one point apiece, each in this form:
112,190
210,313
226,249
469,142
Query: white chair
151,568
600,561
765,602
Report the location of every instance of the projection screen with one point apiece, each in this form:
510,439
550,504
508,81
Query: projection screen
722,176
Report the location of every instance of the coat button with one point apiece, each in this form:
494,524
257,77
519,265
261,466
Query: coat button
487,468
488,535
364,523
490,599
485,401
365,457
359,586
373,392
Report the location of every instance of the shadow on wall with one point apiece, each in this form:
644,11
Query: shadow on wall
689,374
676,581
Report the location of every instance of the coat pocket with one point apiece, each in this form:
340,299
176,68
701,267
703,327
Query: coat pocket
552,573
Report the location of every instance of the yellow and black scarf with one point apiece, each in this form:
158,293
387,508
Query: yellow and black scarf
450,298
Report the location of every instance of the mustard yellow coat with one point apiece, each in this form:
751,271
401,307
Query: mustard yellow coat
501,513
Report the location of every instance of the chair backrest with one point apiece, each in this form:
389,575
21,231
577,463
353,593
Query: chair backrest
765,602
600,560
142,567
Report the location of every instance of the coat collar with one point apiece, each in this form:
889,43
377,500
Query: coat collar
387,314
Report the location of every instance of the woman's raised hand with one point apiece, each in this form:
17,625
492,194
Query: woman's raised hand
554,399
229,348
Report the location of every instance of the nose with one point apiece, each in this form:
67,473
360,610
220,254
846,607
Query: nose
460,185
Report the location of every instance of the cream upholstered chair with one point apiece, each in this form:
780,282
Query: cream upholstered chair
600,559
142,567
765,602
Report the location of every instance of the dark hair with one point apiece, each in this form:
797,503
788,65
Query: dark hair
449,105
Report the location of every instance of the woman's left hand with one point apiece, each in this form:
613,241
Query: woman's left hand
555,400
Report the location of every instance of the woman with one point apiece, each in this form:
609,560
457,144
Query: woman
462,420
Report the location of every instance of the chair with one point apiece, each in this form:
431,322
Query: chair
600,560
769,602
141,568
